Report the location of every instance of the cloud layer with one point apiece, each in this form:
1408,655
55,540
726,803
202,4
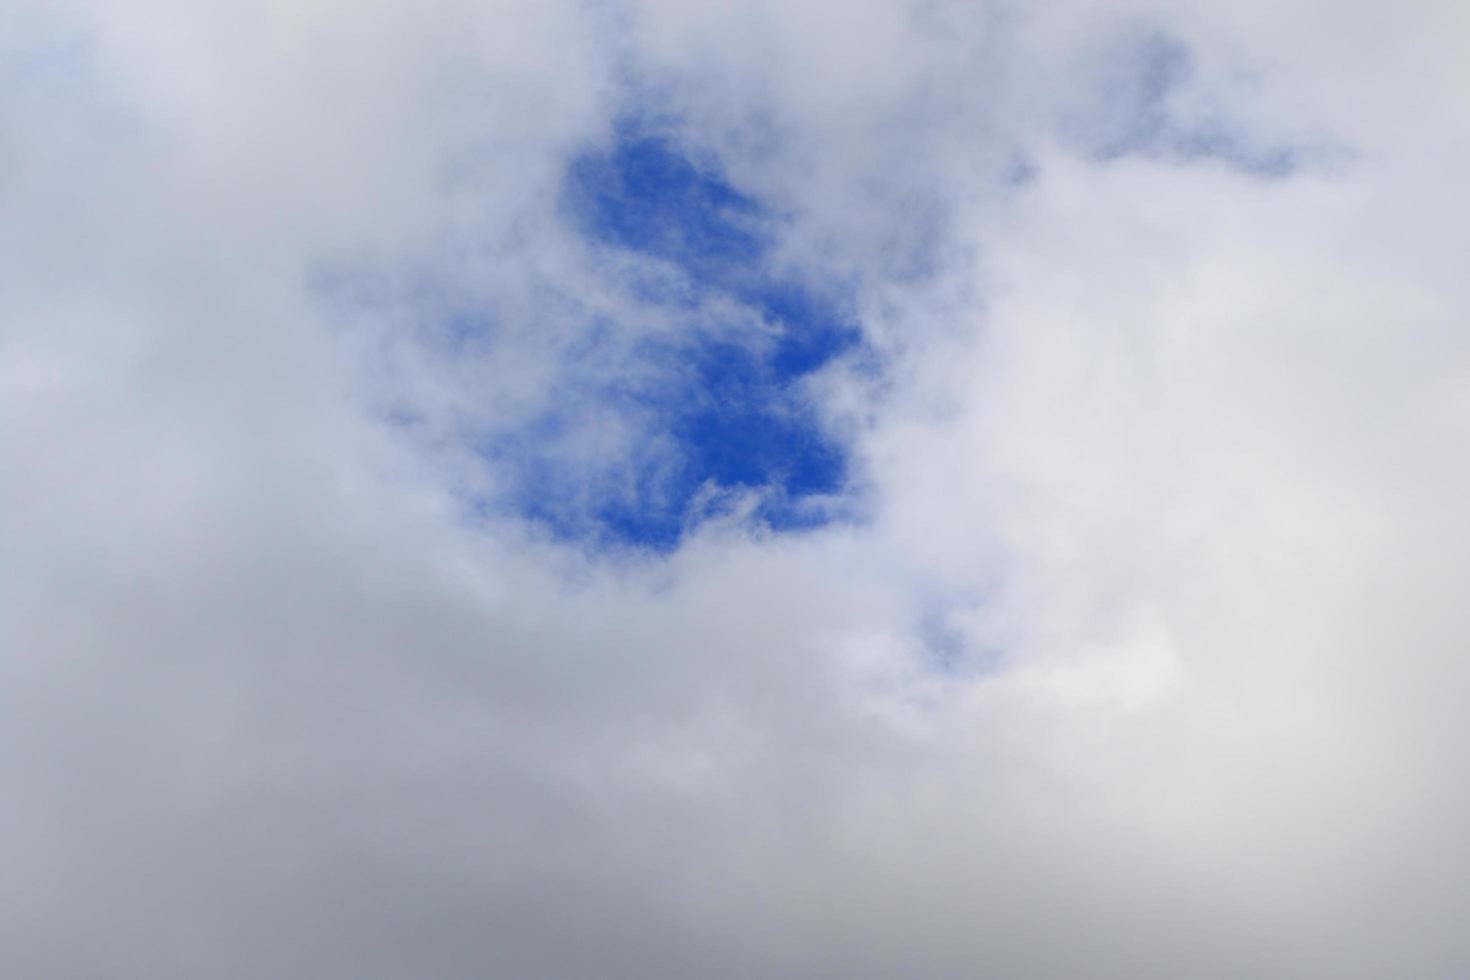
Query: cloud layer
1122,636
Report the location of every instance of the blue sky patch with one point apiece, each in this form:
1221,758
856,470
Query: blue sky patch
1146,99
720,400
645,196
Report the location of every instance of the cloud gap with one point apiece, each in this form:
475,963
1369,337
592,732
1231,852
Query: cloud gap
717,401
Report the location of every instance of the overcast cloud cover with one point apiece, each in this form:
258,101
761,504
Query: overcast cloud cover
655,489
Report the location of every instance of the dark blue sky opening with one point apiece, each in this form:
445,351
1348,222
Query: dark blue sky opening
723,401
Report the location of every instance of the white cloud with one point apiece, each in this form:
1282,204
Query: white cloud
1172,450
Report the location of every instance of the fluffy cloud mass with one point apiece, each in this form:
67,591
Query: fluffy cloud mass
658,489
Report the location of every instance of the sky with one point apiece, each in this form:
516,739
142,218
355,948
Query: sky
560,489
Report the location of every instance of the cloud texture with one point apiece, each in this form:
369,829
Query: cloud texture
1130,641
